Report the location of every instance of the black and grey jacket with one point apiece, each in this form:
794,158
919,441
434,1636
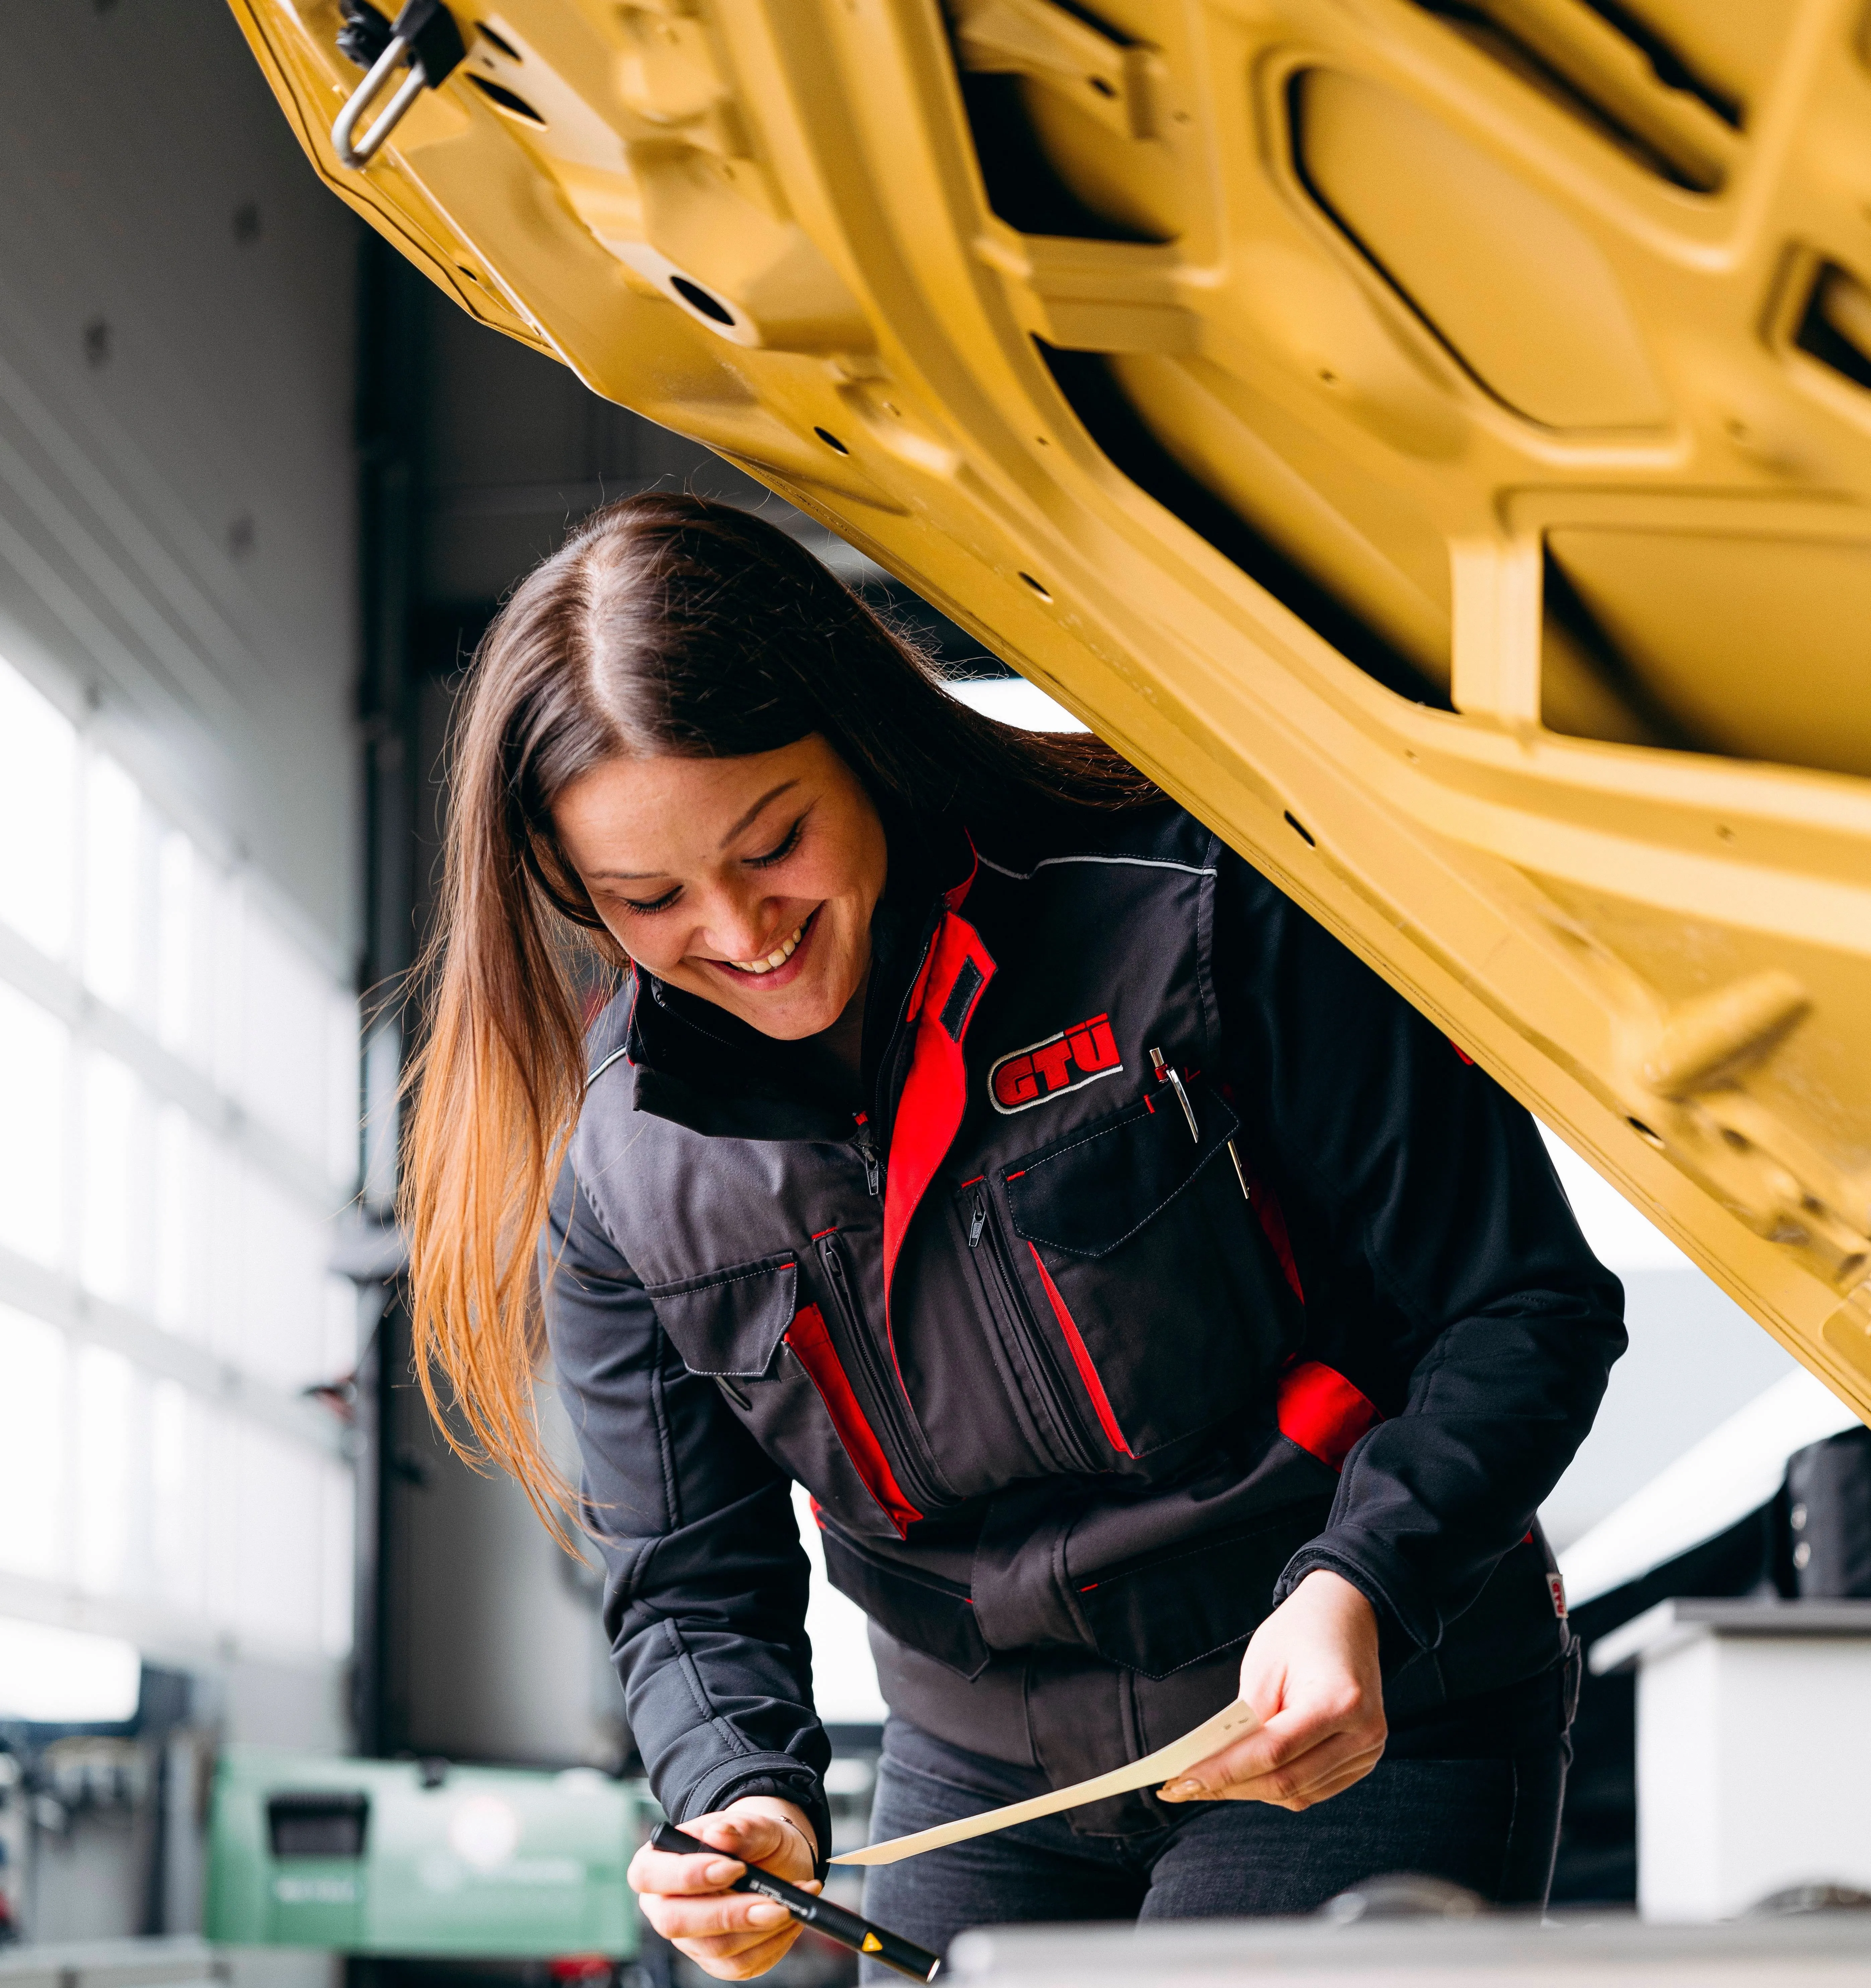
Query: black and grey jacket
1165,1255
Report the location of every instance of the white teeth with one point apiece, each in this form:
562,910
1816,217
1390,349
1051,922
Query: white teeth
773,959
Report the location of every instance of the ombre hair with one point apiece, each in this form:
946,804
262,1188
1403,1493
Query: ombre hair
665,625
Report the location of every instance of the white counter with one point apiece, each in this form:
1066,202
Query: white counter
1753,1751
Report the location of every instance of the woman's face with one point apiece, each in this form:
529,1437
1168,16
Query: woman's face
749,882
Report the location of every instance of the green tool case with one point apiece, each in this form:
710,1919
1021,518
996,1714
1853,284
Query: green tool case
416,1858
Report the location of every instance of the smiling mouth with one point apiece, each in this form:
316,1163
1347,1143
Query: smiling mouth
758,969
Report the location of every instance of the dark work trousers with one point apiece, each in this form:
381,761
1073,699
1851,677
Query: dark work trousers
1490,1825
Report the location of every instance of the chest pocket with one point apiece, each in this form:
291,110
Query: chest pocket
774,1361
1151,1267
728,1325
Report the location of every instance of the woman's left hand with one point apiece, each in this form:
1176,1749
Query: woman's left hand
1311,1672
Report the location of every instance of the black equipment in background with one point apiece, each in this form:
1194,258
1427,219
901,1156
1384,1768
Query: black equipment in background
1812,1541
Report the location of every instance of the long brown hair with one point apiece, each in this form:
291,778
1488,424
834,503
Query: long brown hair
664,624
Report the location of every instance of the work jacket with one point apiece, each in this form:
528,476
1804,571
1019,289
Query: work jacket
1162,1255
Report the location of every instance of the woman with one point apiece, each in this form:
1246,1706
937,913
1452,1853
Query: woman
1153,1304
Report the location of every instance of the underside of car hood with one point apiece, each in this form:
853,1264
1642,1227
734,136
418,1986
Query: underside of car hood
1432,438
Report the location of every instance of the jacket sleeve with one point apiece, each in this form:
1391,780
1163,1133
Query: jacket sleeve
706,1582
1444,1273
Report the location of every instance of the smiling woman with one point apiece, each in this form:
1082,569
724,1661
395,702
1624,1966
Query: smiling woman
682,744
956,1131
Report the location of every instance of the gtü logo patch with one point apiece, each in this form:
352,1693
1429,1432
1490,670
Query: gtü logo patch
1075,1056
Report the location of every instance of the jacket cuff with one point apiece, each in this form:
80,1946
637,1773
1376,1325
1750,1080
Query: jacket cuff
778,1775
1400,1638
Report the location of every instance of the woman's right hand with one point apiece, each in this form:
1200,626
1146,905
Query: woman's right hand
732,1934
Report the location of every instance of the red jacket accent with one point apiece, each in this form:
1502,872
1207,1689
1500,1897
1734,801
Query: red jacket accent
808,1337
1322,1411
941,1005
1082,1359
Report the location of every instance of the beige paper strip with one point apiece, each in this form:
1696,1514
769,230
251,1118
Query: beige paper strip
1233,1721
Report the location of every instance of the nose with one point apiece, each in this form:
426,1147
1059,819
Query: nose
741,928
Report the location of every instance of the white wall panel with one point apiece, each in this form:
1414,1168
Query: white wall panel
34,1050
39,790
180,886
33,1416
116,1137
176,476
112,1424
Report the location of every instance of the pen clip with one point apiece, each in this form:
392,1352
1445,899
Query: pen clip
1168,1072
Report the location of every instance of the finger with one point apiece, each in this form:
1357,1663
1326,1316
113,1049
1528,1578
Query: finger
720,1913
1245,1759
742,1940
737,1957
749,1953
1303,1779
777,1845
743,1839
1318,1763
745,1963
1285,1738
1292,1768
673,1876
750,1837
724,1915
1337,1786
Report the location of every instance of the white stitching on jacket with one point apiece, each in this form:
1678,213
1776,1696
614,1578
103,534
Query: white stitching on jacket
1131,862
1085,1139
683,1288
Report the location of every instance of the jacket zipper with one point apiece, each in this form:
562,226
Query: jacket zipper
912,1453
892,1066
867,1151
983,1227
914,1466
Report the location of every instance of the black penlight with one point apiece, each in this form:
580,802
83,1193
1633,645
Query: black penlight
818,1913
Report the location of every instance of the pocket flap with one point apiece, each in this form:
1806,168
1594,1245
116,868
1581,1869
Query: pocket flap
729,1322
1095,1189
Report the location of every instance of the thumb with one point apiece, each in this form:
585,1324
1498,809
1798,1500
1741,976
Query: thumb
747,1836
1264,1683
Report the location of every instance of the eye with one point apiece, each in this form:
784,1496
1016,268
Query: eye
661,904
787,845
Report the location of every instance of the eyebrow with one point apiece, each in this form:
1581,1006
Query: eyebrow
746,822
753,813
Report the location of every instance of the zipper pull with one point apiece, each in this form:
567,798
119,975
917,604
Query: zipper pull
873,1171
1167,1071
978,1220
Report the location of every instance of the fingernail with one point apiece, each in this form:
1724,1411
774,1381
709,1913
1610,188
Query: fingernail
1182,1790
720,1871
766,1913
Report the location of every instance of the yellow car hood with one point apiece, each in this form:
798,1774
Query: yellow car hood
1433,437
